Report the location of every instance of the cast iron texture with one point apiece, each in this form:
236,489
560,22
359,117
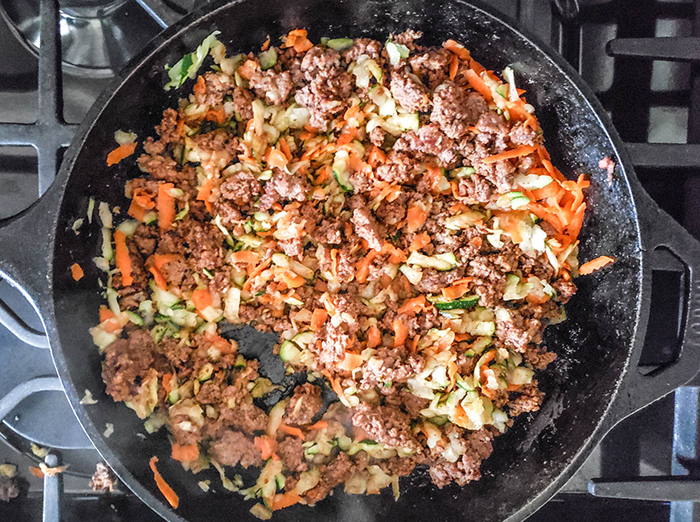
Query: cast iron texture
601,339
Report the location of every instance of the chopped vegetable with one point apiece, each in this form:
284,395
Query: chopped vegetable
595,264
189,64
76,271
122,258
121,152
163,486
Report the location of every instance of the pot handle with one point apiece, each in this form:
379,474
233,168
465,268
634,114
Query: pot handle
638,390
25,257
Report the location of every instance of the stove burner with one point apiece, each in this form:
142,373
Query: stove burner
97,36
33,404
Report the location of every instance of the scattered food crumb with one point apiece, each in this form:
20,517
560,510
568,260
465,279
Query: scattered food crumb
39,451
88,399
109,429
9,487
103,479
8,470
607,164
51,471
76,225
204,485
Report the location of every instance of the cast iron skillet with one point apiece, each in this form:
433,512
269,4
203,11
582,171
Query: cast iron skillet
593,384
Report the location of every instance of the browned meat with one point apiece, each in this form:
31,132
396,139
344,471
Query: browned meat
455,109
411,94
303,405
431,66
386,425
9,488
429,140
396,366
291,453
336,472
243,102
271,85
530,399
103,479
242,188
127,362
467,467
232,448
434,281
215,90
283,187
366,228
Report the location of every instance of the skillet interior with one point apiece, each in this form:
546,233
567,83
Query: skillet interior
593,344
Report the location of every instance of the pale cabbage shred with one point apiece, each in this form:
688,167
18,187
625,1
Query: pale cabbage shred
460,403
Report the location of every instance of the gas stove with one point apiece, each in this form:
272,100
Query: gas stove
641,58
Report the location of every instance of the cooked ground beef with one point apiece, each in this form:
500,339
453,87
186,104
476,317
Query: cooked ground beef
127,362
9,488
360,214
232,448
303,405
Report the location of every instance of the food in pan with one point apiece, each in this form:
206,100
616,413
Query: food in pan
390,211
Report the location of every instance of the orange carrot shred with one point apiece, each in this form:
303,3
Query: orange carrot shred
351,361
318,317
201,298
267,446
415,218
121,152
319,425
512,153
266,44
290,430
283,500
374,337
158,278
413,306
204,192
121,255
77,271
166,205
186,453
454,65
595,264
400,332
163,486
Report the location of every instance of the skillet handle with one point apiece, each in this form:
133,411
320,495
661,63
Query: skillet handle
26,241
637,390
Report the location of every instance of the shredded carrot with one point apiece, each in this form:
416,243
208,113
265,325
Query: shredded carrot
158,278
165,205
266,44
284,500
374,337
351,361
595,264
351,113
400,332
318,317
284,147
362,266
76,271
290,430
201,298
347,136
455,291
121,152
204,193
415,218
267,446
123,261
419,241
457,48
276,158
217,115
106,314
454,65
248,69
523,150
168,382
200,87
143,199
488,357
163,486
255,272
136,211
244,256
413,306
376,156
160,260
298,40
478,84
396,255
186,453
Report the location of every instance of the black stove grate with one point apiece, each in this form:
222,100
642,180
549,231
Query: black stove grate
630,98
